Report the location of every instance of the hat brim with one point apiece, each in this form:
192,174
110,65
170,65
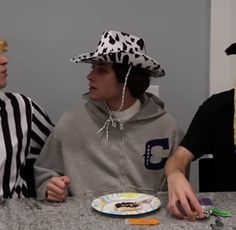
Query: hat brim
135,59
231,50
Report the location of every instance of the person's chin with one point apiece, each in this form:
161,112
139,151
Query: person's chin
3,84
94,97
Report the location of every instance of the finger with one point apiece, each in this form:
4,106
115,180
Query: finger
55,199
54,188
58,181
195,205
173,206
185,206
51,195
66,180
174,211
56,196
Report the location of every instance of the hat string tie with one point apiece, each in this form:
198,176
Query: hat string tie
111,119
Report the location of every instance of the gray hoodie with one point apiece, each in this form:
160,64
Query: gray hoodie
131,161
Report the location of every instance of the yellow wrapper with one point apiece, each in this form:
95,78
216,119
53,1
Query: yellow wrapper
3,45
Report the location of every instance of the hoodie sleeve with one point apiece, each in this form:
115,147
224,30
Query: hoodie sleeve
48,164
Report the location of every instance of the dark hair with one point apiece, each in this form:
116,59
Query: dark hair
138,79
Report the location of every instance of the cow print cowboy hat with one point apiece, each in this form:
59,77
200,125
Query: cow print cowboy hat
122,48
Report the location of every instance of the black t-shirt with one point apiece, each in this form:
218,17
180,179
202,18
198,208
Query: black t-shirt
211,132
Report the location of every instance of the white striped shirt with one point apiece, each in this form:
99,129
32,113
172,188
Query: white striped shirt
24,127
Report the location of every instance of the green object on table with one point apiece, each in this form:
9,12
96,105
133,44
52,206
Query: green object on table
220,212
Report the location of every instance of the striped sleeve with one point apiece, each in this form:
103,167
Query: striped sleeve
40,129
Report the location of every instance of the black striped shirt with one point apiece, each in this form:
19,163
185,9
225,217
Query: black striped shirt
24,127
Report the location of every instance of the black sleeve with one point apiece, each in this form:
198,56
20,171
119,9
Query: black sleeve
197,137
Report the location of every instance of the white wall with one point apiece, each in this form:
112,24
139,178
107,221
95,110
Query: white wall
233,40
223,33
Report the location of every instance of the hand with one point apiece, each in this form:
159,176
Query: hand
57,188
183,203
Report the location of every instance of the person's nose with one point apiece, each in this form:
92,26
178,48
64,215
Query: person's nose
91,76
3,60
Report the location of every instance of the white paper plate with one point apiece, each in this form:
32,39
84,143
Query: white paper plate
106,204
